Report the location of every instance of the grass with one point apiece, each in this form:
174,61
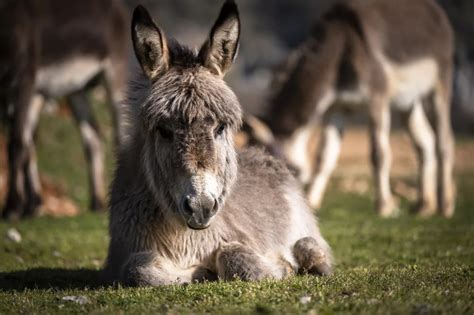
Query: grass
402,265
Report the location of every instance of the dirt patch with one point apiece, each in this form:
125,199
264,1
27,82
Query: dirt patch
354,173
355,155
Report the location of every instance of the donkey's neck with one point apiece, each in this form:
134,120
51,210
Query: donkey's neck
308,71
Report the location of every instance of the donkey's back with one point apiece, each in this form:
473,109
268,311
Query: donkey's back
403,30
91,39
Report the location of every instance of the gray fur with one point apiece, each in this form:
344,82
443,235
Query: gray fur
172,153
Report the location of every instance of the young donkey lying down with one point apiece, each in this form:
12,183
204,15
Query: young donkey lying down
184,205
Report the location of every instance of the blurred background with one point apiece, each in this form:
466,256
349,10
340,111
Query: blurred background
271,29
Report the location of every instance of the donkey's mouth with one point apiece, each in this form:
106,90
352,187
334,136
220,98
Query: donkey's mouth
197,220
193,224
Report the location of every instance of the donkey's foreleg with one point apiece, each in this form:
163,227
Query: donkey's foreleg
237,261
149,269
92,142
330,148
444,145
32,179
382,156
20,139
423,138
312,257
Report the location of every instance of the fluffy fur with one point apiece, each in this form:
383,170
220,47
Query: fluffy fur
180,150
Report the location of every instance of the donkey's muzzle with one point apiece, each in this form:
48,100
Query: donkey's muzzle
198,211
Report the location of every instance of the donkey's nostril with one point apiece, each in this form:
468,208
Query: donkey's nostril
209,207
187,207
214,206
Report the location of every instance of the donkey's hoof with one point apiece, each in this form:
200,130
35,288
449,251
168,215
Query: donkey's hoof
388,210
98,205
423,210
311,257
11,215
202,274
34,208
447,211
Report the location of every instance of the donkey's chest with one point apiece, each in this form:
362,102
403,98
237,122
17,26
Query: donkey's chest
189,248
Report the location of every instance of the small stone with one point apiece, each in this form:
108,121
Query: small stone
96,262
79,299
305,299
13,235
56,253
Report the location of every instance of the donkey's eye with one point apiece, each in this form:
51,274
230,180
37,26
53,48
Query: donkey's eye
165,133
220,130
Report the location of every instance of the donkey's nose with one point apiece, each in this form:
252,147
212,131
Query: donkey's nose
199,210
200,205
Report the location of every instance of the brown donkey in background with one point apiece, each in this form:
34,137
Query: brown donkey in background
373,55
51,49
184,205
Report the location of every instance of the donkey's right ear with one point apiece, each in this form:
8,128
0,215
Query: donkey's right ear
149,44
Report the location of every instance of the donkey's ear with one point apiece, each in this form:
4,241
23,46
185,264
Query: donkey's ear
149,44
220,49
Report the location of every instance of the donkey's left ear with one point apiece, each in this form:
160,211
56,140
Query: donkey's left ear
220,49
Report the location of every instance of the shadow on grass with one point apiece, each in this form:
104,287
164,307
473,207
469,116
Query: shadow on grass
50,278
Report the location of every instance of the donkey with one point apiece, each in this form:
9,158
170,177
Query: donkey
184,205
370,55
52,49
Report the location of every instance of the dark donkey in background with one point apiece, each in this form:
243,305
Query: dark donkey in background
51,49
373,55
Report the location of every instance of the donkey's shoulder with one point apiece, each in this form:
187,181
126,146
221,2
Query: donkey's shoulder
256,162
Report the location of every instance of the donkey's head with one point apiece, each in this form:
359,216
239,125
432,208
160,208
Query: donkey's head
189,117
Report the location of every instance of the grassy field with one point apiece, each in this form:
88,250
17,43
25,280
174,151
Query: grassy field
402,265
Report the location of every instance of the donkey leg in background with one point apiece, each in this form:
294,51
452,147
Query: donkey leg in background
32,179
114,83
444,144
92,142
330,148
20,137
381,156
422,136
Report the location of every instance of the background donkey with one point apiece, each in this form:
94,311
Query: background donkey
183,206
50,49
377,54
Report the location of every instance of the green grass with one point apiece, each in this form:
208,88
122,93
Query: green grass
402,265
398,266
